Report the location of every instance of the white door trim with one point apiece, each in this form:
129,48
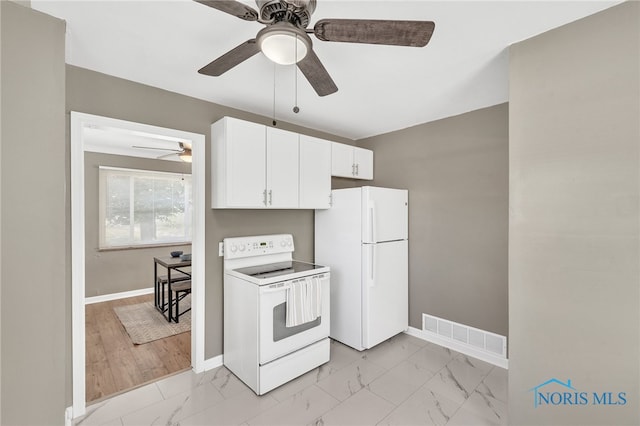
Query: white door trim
78,122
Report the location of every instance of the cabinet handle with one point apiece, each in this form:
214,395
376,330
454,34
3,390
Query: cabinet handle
353,169
264,197
270,197
357,169
330,200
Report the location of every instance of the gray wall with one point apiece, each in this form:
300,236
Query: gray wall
34,323
574,298
456,171
115,271
99,94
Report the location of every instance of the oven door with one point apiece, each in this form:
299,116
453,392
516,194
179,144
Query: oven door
276,339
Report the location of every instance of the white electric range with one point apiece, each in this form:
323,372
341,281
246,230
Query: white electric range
258,347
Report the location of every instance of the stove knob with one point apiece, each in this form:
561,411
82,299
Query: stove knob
289,243
242,247
234,248
283,243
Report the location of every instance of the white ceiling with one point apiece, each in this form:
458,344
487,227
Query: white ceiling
381,88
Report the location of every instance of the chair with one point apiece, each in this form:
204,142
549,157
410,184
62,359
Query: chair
161,282
180,290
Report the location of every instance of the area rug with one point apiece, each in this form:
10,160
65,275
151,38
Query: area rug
144,323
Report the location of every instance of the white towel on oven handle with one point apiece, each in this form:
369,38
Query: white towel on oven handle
304,301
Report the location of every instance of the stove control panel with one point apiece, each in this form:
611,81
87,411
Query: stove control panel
239,247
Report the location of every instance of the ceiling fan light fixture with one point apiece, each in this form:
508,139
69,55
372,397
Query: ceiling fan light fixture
284,44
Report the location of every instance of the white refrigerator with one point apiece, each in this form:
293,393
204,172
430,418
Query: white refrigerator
363,238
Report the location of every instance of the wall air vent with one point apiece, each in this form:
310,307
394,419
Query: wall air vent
462,336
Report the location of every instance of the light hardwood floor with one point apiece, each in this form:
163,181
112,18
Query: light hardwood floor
114,364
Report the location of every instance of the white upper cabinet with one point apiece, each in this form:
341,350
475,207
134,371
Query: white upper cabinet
238,164
363,159
315,173
259,167
282,169
351,162
342,160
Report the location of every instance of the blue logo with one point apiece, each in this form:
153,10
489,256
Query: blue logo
555,392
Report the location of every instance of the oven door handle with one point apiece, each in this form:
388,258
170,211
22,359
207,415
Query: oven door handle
275,289
287,286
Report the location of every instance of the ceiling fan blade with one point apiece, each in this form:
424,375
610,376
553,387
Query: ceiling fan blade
371,31
317,74
234,8
156,148
230,59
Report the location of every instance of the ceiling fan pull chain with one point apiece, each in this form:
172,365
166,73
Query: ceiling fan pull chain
274,94
295,70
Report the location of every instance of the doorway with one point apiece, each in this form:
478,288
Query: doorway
80,122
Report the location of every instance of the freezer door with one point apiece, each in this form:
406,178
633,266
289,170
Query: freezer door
385,214
385,291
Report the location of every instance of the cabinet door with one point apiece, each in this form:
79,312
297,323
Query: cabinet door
315,173
342,160
363,159
282,169
246,162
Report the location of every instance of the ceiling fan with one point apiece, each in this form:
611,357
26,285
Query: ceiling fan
184,153
285,38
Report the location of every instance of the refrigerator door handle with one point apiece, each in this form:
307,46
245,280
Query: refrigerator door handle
372,264
372,221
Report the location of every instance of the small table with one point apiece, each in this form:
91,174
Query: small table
171,264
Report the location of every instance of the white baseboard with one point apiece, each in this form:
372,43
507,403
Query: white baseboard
68,416
116,296
215,362
464,349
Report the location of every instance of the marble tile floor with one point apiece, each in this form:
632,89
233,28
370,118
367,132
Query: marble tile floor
403,381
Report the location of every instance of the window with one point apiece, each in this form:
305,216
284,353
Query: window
139,207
